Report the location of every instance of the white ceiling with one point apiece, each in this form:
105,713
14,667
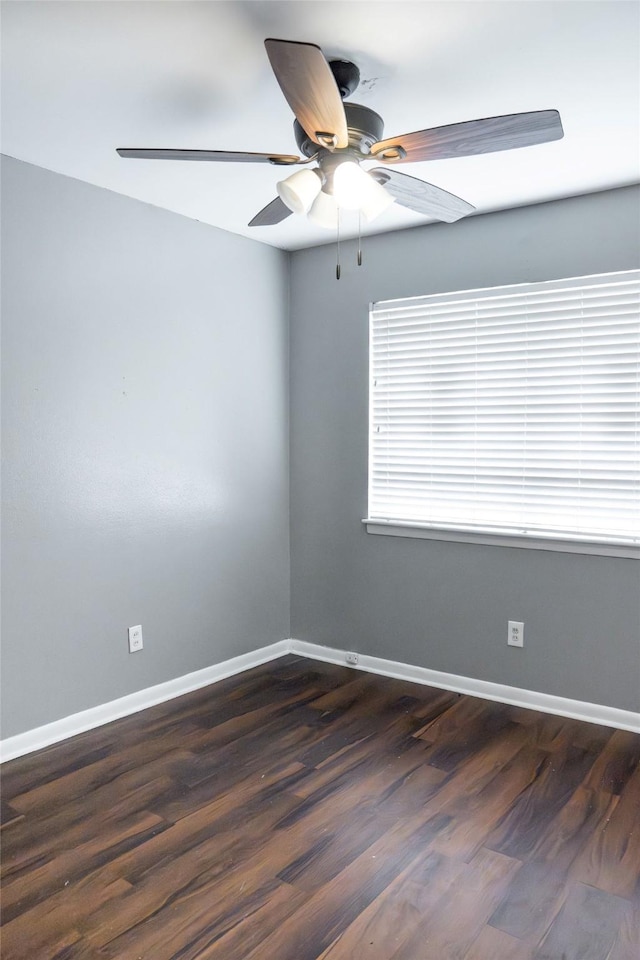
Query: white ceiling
82,78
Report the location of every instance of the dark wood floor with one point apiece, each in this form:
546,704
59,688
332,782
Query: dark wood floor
304,811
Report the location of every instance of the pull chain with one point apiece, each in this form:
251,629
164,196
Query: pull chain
338,247
359,241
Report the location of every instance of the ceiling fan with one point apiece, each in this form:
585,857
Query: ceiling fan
338,137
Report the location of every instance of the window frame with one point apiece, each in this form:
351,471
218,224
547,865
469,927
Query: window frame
491,534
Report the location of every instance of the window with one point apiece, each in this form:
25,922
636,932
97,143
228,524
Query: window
509,414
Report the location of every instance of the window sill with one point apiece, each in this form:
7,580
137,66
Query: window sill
394,528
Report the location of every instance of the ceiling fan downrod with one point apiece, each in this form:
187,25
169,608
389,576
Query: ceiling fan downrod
346,75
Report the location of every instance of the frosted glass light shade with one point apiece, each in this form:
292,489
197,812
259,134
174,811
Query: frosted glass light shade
354,189
299,190
349,185
376,202
324,211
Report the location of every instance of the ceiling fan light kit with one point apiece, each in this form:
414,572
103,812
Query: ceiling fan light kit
340,136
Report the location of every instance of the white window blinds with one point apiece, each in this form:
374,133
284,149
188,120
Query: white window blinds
510,410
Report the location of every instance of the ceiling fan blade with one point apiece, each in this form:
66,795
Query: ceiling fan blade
274,212
310,89
224,156
421,196
472,137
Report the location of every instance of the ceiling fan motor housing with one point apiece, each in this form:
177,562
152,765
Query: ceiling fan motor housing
365,127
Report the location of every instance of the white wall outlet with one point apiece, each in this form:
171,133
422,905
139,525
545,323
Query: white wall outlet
135,638
352,658
515,636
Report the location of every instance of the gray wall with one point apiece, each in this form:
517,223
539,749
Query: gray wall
145,428
436,604
145,445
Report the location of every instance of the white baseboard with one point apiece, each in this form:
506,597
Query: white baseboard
44,736
533,700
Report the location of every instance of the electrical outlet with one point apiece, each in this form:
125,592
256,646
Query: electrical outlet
135,638
352,658
515,635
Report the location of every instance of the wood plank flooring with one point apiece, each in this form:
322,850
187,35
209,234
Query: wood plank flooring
303,811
